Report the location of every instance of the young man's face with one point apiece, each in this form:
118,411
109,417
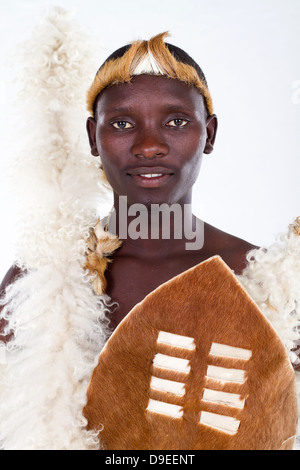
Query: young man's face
151,135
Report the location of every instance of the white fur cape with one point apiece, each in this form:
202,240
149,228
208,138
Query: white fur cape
59,325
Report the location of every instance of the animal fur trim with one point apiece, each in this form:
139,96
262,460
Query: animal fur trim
101,245
272,280
162,62
59,325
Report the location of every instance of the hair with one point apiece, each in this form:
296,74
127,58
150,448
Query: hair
153,57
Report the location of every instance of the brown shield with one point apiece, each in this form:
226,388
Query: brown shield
195,365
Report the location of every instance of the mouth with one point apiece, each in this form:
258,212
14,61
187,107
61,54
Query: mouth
150,177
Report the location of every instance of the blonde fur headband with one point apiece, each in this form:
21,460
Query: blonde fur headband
146,57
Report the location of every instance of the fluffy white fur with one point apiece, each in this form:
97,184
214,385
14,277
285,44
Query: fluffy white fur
272,278
59,324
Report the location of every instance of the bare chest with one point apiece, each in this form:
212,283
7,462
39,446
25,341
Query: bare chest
131,280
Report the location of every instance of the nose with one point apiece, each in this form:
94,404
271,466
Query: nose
150,144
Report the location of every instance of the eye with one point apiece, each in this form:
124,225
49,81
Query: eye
122,125
177,122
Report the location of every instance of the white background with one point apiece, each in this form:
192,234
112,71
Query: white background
249,51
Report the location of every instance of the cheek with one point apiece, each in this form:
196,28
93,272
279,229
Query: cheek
190,170
105,148
192,158
110,156
111,172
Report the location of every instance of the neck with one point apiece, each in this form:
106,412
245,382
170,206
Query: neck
158,230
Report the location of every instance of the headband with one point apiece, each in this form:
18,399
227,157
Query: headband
151,57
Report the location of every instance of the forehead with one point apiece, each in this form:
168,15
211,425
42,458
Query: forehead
148,90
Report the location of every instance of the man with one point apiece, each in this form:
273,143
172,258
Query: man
150,128
161,126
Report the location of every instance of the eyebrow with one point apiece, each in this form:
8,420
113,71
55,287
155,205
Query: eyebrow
178,107
120,110
167,108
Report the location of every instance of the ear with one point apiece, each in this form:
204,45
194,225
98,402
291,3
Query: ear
211,130
91,126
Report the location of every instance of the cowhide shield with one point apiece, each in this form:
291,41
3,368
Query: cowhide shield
195,365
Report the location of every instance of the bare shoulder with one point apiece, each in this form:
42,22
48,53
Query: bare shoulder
232,249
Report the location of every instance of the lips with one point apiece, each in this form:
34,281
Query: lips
146,170
150,177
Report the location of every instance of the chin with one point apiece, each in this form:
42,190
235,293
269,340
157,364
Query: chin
157,196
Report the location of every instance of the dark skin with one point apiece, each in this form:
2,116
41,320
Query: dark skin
157,125
154,125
